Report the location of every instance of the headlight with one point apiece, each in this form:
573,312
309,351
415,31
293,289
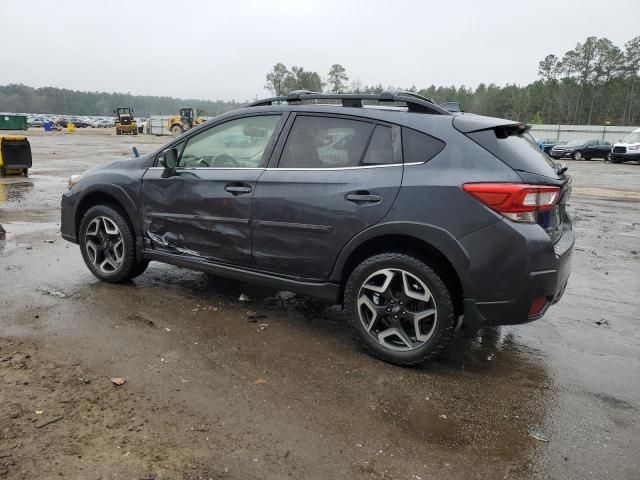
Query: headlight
73,179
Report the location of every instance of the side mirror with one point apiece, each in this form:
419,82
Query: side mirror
169,160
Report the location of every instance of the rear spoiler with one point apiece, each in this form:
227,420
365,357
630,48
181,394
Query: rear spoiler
467,123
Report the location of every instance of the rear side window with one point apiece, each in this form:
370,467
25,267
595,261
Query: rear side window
516,150
325,142
418,147
380,150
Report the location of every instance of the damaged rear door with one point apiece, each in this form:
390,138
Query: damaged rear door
203,209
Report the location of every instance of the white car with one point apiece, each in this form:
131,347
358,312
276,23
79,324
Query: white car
627,149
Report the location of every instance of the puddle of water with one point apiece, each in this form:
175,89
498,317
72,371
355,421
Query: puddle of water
18,234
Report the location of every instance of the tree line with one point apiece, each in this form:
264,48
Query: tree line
595,83
23,99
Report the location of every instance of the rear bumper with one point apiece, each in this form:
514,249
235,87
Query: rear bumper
499,295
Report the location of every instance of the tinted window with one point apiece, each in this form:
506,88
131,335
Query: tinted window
325,142
380,150
516,150
419,147
236,143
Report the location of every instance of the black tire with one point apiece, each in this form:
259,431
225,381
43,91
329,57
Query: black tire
615,160
176,130
440,293
130,267
118,132
577,155
3,172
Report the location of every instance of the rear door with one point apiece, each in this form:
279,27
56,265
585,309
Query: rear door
331,178
204,209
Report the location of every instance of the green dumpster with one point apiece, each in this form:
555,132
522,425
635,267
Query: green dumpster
13,122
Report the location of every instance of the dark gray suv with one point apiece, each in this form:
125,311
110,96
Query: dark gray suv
418,220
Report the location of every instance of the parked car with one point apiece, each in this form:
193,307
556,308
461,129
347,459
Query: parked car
422,216
627,149
78,122
103,124
582,150
36,121
546,144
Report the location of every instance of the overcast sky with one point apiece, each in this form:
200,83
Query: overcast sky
223,49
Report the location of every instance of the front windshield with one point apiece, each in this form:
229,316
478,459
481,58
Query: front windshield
633,137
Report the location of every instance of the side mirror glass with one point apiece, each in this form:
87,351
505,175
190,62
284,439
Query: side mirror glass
169,160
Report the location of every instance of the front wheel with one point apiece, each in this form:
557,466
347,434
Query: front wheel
108,246
176,130
577,155
400,308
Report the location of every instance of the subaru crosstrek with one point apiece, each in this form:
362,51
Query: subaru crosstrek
418,220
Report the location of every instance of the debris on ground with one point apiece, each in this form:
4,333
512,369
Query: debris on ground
244,298
48,420
118,381
255,316
538,435
262,326
443,416
53,292
602,322
260,381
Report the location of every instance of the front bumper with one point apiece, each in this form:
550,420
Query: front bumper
67,217
561,154
625,157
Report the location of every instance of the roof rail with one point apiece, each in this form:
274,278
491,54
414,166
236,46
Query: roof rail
415,103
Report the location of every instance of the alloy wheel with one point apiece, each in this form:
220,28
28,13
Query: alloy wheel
104,244
397,309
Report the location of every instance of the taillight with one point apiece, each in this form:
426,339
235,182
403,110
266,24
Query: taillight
537,304
517,201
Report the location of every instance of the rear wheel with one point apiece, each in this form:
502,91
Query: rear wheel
107,244
577,155
176,130
400,308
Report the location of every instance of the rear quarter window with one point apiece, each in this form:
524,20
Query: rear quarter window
419,147
516,150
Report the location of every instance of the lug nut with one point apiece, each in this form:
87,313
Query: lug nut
395,316
388,309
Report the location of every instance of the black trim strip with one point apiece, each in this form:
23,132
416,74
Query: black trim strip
182,216
323,290
293,226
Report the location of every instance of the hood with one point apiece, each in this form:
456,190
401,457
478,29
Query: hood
129,163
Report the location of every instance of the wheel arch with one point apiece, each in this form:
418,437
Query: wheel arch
417,239
112,196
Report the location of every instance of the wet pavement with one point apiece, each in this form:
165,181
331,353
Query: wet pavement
214,392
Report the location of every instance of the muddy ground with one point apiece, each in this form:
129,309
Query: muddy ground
210,393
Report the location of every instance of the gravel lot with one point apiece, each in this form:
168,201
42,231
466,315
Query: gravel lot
210,393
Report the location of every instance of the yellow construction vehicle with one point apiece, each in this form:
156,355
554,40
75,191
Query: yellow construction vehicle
189,117
15,155
125,123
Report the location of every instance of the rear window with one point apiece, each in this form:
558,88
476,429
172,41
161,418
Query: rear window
516,150
380,150
419,147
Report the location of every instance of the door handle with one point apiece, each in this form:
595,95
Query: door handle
361,197
237,188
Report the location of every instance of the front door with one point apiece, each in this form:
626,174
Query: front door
335,177
204,209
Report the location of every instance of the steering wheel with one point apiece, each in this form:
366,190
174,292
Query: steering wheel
224,160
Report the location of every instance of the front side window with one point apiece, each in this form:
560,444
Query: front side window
325,142
239,143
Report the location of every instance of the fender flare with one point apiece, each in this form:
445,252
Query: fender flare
434,236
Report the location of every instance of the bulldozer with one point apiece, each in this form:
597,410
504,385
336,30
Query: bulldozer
125,123
189,117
